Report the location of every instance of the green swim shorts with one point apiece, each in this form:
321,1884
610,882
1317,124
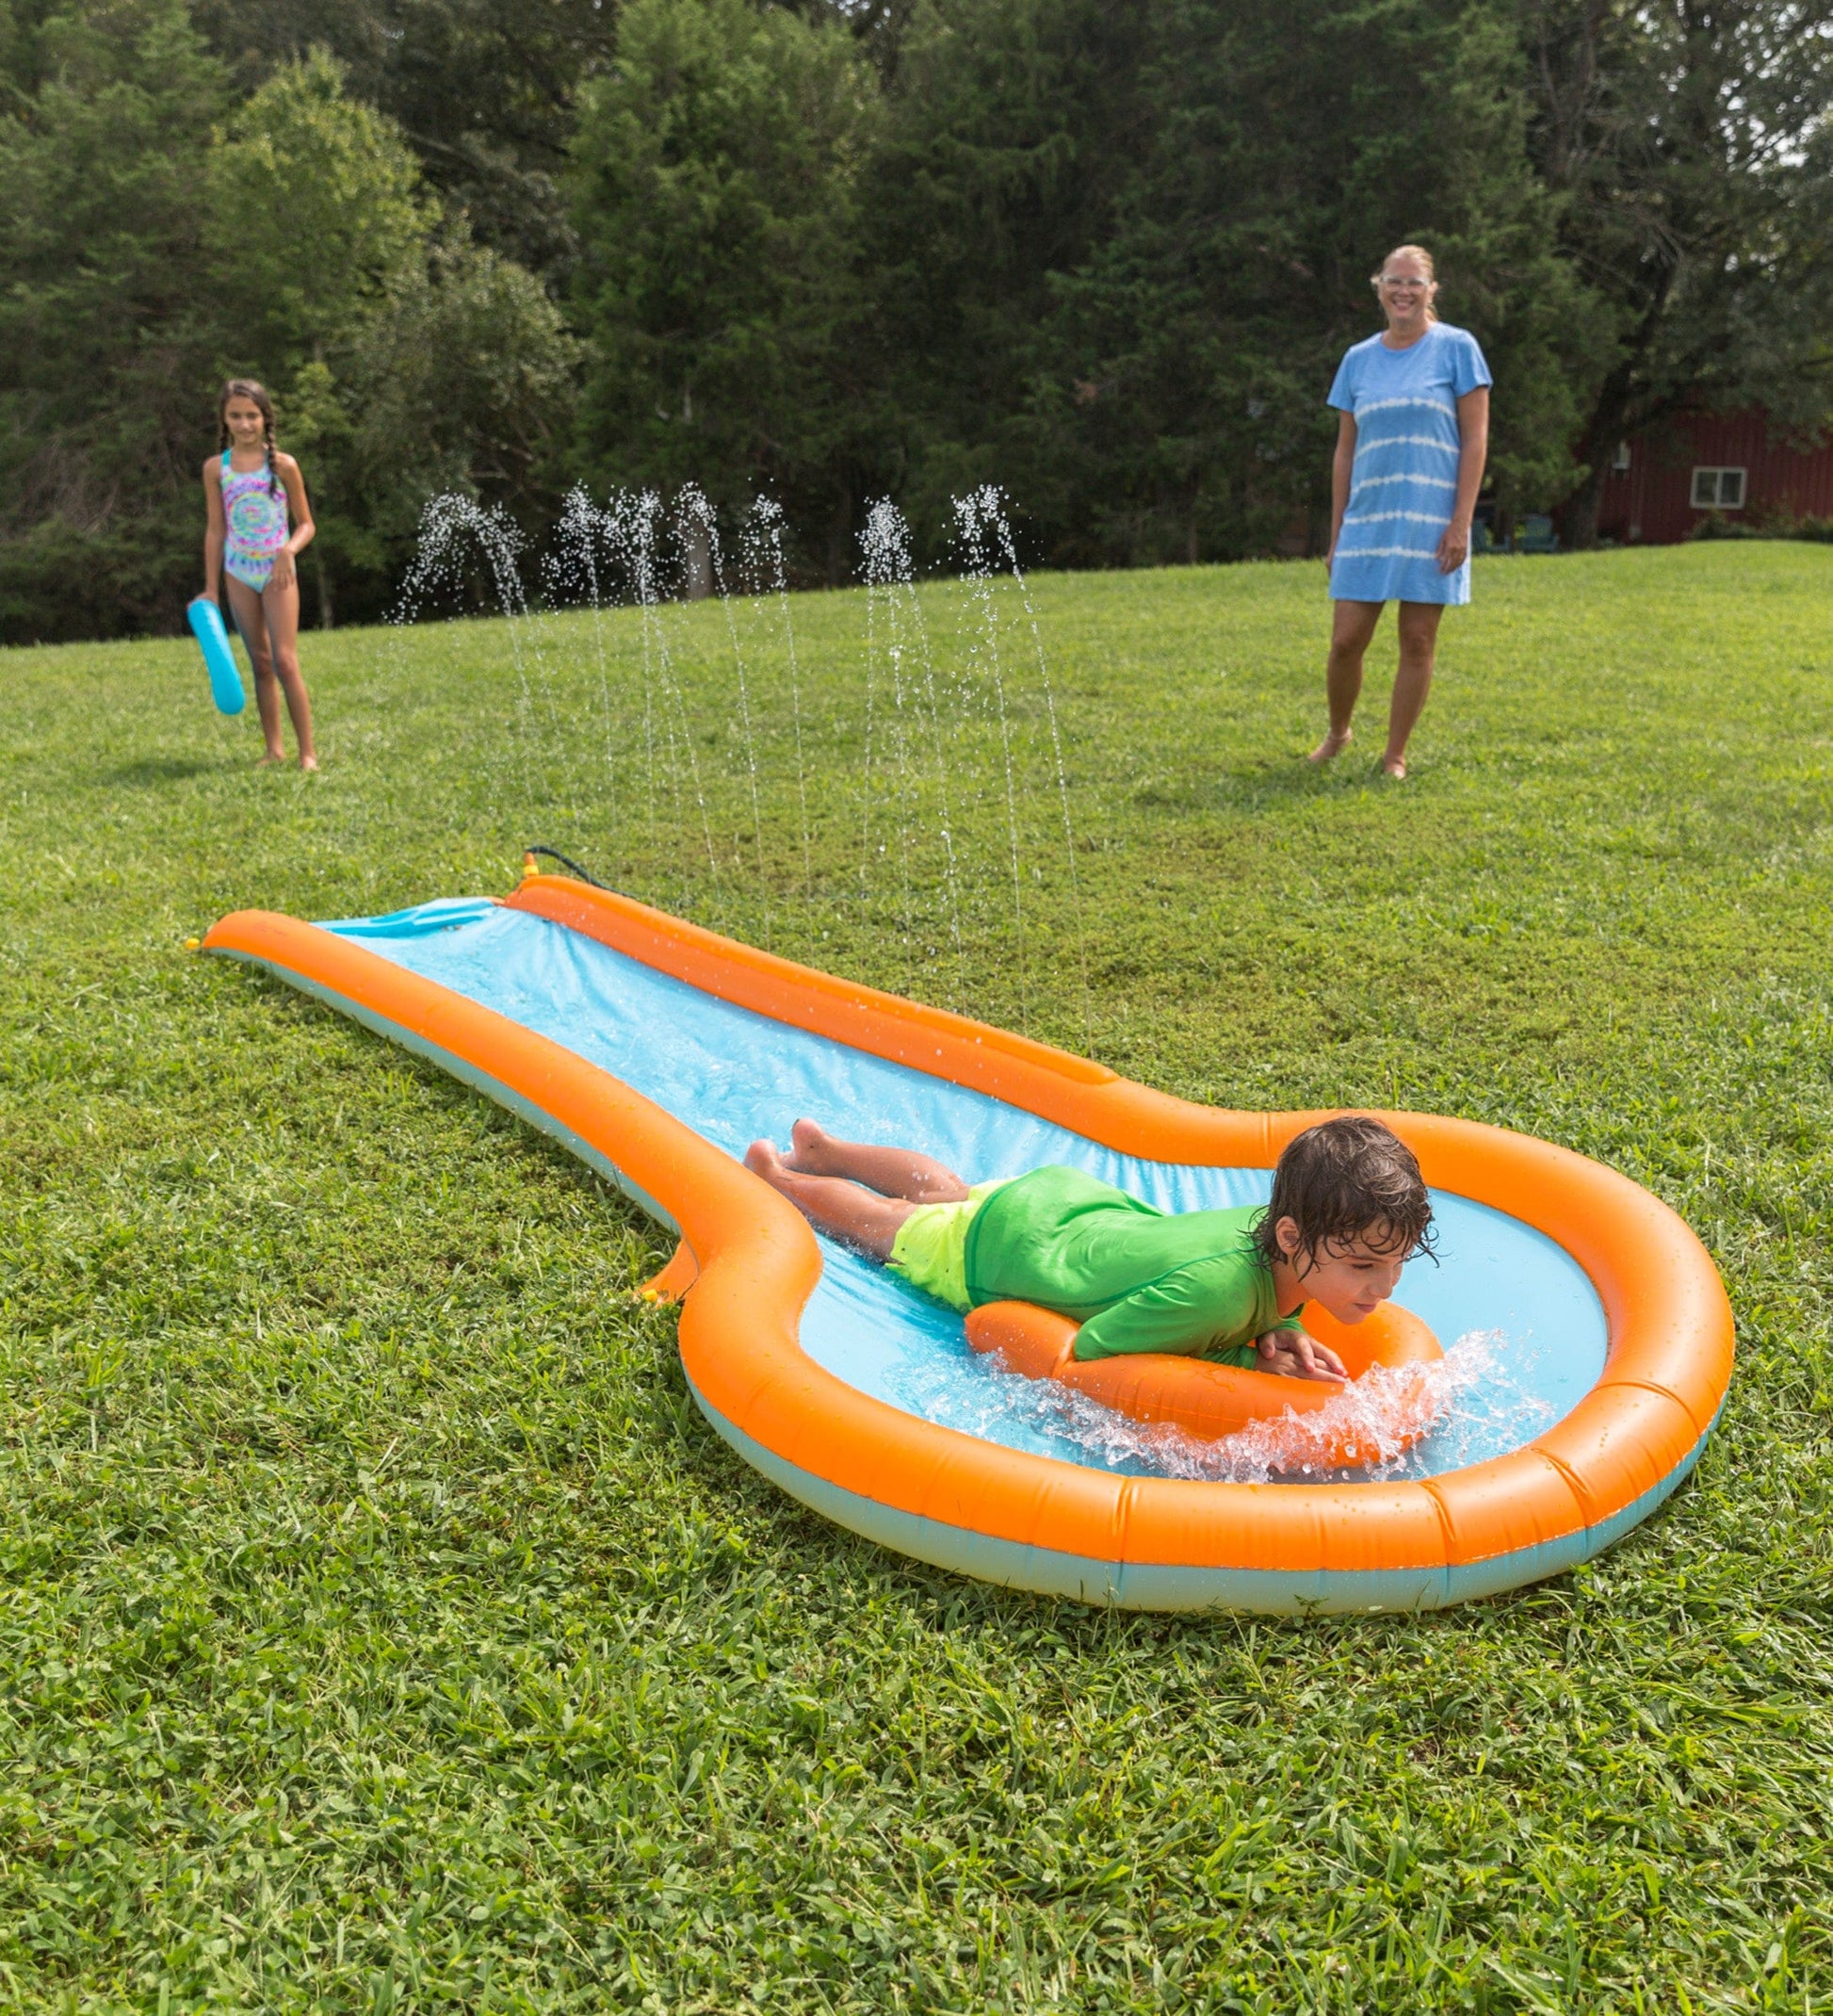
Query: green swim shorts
931,1248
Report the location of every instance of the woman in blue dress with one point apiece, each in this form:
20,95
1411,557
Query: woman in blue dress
1411,439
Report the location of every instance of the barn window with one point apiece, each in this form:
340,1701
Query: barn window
1718,490
1620,461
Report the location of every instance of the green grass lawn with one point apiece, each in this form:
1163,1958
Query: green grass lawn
384,1629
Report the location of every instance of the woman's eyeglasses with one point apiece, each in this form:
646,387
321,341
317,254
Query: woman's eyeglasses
1395,282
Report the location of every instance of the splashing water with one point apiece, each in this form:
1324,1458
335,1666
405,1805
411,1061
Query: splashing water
673,764
697,531
455,534
989,502
577,539
974,531
766,575
898,648
1481,1397
631,524
455,530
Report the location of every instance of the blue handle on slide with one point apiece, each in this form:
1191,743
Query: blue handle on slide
225,676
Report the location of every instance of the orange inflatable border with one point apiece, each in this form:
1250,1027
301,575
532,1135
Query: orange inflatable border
1670,1328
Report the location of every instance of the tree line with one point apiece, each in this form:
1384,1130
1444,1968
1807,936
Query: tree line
1104,253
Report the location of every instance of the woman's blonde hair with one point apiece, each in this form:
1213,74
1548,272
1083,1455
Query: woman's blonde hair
1424,258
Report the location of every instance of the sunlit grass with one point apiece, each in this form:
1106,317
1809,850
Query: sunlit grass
384,1629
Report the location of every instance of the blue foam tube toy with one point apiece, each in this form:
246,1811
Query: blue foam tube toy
225,675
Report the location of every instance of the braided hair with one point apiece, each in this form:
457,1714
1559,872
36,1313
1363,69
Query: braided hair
250,388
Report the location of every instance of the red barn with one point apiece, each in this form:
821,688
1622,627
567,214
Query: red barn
1663,481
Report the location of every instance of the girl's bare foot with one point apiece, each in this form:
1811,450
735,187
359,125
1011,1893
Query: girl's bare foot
308,762
1394,767
762,1158
1333,745
272,756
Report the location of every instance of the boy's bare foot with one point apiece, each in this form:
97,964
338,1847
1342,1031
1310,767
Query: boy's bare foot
762,1158
308,762
809,1144
271,757
1332,746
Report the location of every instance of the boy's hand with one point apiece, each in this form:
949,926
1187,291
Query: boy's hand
1297,1356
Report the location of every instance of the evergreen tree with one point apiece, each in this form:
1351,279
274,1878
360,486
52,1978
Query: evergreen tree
1008,133
107,335
157,239
716,179
1689,148
1184,416
462,379
313,207
1105,253
407,359
485,92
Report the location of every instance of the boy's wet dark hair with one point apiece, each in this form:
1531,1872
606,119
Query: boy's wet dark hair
1348,1178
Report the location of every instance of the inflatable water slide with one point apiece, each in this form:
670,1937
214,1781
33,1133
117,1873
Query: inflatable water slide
1577,1340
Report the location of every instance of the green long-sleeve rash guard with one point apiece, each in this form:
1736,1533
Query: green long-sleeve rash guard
1136,1279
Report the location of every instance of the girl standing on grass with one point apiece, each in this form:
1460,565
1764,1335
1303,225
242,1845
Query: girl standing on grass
251,492
1411,441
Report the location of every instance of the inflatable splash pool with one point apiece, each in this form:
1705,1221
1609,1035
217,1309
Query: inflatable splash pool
656,1050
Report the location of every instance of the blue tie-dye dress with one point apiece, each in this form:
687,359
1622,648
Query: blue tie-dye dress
1408,445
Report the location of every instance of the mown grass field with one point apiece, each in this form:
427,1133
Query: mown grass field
383,1629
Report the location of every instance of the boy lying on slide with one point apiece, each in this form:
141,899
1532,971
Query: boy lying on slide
1349,1208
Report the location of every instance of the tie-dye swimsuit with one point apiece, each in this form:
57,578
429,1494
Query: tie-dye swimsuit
257,522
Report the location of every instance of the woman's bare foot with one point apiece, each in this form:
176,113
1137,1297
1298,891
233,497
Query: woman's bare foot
1332,746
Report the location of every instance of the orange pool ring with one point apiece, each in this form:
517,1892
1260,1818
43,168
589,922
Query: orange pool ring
1028,1520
